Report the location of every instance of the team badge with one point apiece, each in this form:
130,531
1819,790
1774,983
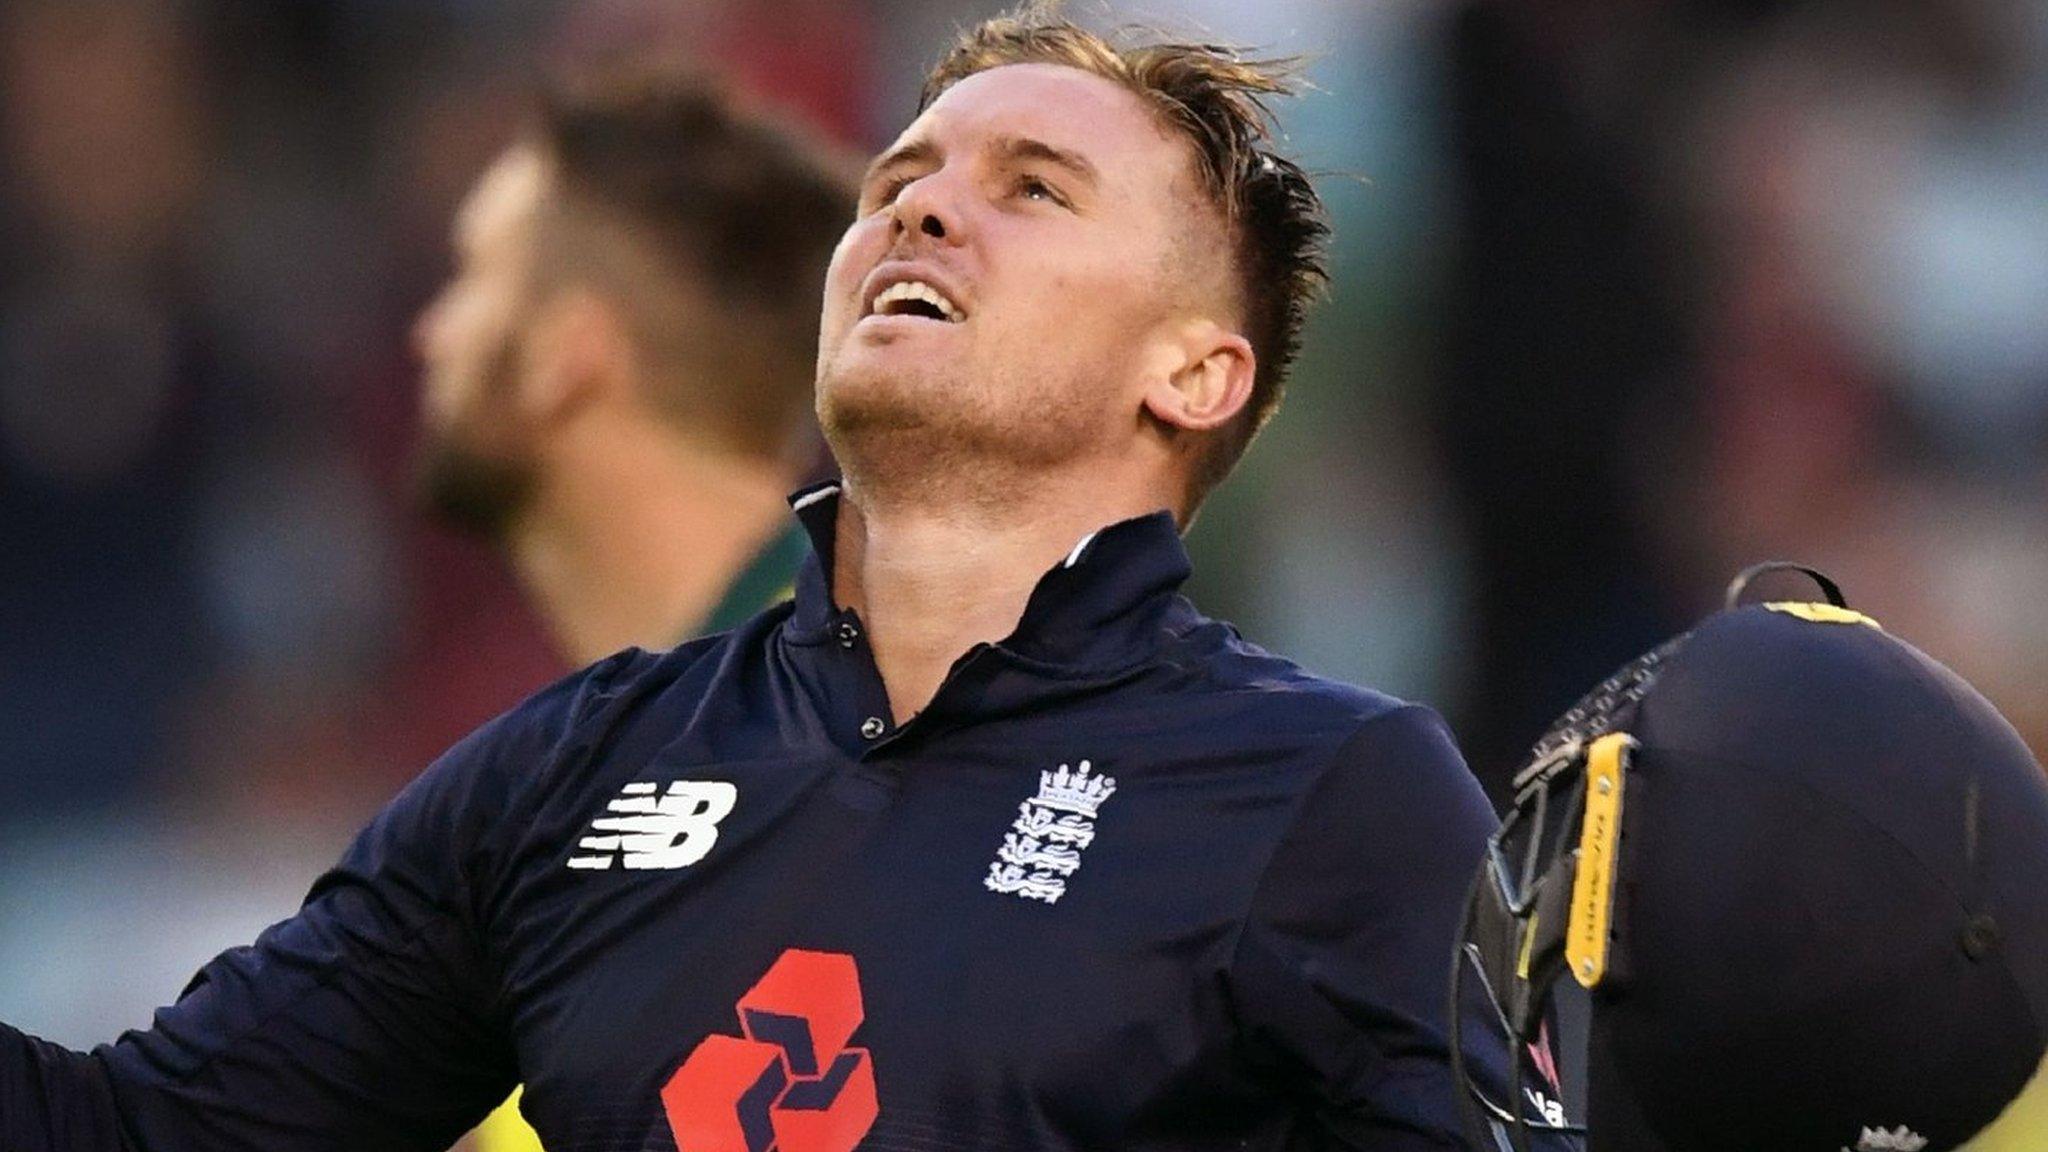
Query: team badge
1043,848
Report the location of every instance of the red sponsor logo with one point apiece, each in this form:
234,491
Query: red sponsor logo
789,1083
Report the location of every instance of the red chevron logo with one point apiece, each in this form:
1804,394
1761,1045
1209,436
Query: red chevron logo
789,1083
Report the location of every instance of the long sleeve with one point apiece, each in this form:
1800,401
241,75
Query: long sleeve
367,1022
1342,974
54,1098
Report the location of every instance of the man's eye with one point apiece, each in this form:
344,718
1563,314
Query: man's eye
886,194
1032,188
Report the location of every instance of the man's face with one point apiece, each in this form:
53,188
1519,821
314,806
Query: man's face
1016,249
475,468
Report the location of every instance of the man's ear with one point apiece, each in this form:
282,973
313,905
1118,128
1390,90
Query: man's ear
1205,378
576,352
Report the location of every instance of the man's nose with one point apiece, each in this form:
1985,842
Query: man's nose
930,207
426,326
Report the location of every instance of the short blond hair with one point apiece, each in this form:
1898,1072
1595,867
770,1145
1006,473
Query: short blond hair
1216,98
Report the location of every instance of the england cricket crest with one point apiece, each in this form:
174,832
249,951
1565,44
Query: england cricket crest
1044,845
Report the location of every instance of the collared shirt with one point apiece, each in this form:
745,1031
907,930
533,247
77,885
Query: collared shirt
768,579
1126,882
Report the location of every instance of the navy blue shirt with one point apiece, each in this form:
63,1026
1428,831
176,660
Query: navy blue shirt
1127,882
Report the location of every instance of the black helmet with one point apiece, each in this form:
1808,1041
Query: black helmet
1802,870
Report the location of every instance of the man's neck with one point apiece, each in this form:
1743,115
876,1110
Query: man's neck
930,583
636,536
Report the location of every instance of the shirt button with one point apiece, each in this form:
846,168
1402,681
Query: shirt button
848,633
873,727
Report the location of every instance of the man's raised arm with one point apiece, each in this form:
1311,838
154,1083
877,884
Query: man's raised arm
366,1021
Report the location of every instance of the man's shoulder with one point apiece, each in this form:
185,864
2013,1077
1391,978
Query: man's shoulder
564,748
1361,745
593,694
665,686
1235,674
583,712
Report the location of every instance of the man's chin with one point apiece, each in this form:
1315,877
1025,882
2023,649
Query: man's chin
475,493
929,419
860,398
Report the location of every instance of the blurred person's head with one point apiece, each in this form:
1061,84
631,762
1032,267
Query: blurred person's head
641,265
1799,866
1081,261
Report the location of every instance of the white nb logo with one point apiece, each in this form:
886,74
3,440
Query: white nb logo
645,831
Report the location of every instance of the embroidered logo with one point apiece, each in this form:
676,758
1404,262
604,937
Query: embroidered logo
1043,847
790,1084
648,831
1900,1139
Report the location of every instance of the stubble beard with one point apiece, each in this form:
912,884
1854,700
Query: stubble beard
951,440
477,493
467,485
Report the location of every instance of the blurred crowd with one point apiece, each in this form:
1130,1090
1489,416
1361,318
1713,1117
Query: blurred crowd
1628,295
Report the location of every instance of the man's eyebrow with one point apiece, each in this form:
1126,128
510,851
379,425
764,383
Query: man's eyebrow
1026,148
914,152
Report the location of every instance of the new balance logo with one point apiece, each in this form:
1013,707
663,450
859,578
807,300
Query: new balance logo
648,831
1900,1139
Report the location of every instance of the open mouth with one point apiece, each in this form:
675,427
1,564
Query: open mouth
916,298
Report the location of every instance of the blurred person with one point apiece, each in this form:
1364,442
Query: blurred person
990,838
602,402
618,376
1797,866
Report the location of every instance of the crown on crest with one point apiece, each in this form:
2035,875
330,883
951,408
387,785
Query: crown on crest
1902,1139
1074,790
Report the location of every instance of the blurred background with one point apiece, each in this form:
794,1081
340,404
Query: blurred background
1629,293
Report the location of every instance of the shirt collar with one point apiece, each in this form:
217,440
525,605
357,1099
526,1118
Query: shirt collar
1102,607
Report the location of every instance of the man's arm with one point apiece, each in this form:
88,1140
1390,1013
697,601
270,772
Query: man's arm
1342,975
52,1098
368,1021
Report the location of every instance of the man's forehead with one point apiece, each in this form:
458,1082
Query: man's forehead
1059,105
